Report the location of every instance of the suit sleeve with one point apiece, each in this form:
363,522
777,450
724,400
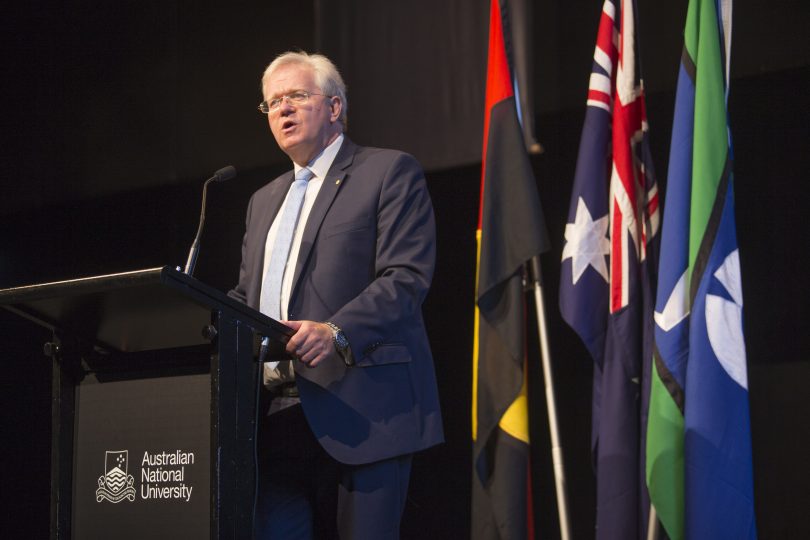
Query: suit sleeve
405,257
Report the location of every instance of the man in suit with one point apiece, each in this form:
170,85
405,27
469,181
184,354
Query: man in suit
342,250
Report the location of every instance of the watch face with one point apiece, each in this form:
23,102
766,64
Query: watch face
341,341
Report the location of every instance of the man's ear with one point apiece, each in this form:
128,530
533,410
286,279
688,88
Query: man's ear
336,107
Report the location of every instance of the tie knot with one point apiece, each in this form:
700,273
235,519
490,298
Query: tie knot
304,174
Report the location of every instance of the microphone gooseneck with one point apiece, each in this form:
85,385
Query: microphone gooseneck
223,174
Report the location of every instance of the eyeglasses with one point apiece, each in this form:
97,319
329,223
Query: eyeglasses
299,97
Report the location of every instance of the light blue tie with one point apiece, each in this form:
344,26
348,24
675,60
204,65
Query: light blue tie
270,302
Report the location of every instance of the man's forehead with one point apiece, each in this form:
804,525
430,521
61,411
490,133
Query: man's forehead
291,77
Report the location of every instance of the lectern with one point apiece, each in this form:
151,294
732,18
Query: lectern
154,404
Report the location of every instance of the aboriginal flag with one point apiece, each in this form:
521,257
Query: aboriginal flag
510,232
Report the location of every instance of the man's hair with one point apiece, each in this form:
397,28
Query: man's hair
327,77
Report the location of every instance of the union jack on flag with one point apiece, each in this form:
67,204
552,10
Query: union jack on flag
607,282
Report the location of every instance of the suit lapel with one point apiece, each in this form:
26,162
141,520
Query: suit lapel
329,189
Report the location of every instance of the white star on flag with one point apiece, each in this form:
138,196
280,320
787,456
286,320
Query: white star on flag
586,243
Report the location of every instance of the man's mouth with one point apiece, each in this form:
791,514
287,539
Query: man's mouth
287,125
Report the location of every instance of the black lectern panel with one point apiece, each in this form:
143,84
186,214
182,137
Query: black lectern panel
142,459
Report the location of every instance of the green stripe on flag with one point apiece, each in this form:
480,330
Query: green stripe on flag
710,148
665,473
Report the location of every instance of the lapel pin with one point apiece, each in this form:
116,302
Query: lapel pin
337,182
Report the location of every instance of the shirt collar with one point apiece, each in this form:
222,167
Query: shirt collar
323,161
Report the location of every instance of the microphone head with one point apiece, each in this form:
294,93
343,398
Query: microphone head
225,173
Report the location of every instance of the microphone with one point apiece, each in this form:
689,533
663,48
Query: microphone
225,173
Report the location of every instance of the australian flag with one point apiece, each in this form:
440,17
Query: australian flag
608,273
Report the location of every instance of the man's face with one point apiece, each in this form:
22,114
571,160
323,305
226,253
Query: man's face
302,130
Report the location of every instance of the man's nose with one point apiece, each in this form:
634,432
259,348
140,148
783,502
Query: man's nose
286,105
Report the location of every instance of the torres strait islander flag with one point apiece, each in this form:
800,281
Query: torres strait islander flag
608,271
510,232
699,461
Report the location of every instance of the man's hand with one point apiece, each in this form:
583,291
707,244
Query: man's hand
312,343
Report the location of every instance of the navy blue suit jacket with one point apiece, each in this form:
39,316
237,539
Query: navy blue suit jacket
366,262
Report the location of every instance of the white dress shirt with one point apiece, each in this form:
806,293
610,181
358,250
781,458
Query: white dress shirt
320,165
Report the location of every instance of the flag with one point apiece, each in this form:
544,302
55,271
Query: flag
699,463
608,269
510,232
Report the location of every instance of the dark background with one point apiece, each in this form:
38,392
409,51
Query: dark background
113,114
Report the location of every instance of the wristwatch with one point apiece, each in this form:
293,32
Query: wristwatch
340,341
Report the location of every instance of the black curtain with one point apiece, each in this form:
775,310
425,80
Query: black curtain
415,72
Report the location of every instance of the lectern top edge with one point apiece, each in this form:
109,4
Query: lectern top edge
79,285
130,311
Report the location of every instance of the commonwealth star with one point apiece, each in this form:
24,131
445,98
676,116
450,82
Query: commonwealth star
586,243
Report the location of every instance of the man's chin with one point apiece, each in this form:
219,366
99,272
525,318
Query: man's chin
296,151
288,144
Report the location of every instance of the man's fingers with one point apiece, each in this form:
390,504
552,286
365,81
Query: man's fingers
299,339
310,344
295,325
317,351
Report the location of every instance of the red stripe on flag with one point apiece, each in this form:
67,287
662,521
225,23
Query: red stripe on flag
604,39
499,83
652,205
626,121
616,258
598,95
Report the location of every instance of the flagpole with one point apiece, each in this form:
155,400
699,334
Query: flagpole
652,525
556,448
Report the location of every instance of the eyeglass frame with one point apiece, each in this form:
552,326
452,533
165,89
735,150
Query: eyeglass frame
287,98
